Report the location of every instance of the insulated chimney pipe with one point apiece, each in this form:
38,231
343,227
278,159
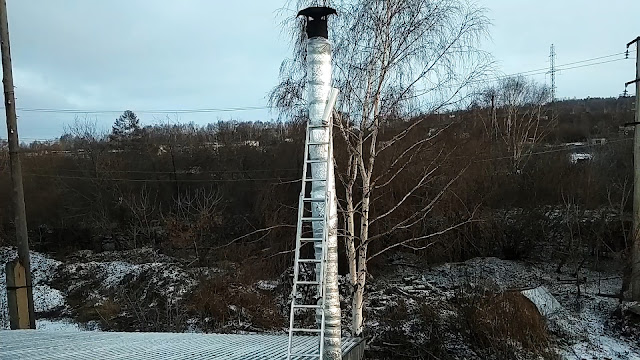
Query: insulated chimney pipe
318,89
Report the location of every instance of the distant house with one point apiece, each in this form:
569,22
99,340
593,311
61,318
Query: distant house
254,143
62,152
162,149
576,158
574,144
625,130
213,145
597,141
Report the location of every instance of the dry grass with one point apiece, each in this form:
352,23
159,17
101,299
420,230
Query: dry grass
105,312
219,302
503,324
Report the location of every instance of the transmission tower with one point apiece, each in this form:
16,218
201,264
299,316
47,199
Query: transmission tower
552,71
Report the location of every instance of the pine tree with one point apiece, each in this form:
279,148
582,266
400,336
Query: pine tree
126,127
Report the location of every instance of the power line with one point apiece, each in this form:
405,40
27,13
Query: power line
284,180
559,150
182,172
32,139
543,71
593,59
498,78
157,111
533,72
558,68
546,70
157,180
592,64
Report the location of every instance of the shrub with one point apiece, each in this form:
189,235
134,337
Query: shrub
488,322
219,301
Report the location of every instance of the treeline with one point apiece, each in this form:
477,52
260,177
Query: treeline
228,191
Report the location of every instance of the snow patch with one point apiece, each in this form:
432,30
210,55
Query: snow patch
58,325
578,314
116,271
543,300
267,285
45,297
601,347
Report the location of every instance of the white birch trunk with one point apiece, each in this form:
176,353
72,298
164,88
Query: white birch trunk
357,318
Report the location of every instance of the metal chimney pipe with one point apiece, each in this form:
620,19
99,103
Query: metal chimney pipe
318,90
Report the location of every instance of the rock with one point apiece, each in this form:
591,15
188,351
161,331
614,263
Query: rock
543,300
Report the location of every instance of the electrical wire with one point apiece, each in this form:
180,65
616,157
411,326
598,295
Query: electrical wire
156,180
498,78
182,172
559,150
533,72
558,69
157,111
546,69
290,180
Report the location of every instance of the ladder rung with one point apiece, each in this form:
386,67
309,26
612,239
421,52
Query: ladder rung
314,199
312,219
306,306
311,239
306,330
318,126
307,282
309,260
307,179
315,161
318,143
305,355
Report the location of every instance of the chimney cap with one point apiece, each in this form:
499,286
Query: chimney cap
317,20
317,12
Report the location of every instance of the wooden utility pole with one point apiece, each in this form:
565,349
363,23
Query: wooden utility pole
19,287
634,256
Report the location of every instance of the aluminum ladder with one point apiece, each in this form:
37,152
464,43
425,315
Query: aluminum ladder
306,222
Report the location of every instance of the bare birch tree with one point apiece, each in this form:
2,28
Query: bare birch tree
394,59
193,218
144,208
519,116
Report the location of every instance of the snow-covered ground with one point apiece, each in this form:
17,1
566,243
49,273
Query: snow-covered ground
46,298
54,280
583,327
59,325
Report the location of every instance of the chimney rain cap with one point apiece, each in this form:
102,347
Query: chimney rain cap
317,20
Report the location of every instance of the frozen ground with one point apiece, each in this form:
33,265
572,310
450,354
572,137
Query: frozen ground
583,325
59,325
46,299
54,281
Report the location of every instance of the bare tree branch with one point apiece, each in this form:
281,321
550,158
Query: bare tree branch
251,233
428,236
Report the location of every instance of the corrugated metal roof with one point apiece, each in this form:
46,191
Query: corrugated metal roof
48,345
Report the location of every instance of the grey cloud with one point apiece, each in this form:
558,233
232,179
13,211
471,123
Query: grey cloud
162,54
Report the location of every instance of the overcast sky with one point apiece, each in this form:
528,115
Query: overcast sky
194,54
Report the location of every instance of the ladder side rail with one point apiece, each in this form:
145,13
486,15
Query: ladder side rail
327,121
296,270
